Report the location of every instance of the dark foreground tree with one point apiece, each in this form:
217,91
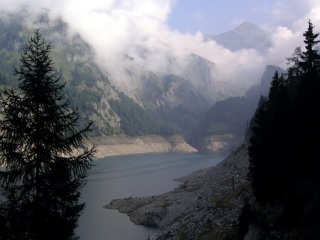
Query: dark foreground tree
43,153
288,135
284,146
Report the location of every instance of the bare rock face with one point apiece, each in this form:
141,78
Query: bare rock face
218,143
148,211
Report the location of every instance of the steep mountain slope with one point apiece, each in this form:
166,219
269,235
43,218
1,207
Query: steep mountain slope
175,100
200,72
149,103
181,99
246,35
224,124
87,85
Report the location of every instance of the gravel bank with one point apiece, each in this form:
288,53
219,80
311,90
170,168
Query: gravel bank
122,145
207,202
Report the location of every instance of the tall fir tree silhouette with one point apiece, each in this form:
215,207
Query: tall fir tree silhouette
286,127
43,153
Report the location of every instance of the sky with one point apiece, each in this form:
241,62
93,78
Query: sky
161,34
215,17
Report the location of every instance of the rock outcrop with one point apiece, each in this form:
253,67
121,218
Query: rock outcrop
225,142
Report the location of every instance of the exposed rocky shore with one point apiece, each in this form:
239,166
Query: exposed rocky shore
206,204
122,145
224,142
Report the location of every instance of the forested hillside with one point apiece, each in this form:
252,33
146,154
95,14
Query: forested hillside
87,85
175,100
231,117
135,121
162,104
284,148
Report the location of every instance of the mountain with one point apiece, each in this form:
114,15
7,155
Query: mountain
246,35
175,100
148,103
181,100
224,124
172,98
87,84
200,72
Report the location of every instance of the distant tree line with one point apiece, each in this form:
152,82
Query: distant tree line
284,145
136,121
229,116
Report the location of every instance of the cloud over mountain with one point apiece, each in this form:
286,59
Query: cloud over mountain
139,28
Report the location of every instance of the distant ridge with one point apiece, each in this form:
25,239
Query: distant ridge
247,29
246,35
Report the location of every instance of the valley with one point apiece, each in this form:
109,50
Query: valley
191,103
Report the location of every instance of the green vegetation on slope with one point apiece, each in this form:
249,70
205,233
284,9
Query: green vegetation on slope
136,121
87,86
230,116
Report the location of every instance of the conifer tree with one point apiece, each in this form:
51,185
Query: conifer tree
43,153
307,95
258,151
310,59
283,137
284,147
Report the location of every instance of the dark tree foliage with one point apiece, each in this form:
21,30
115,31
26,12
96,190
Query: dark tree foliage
270,143
284,145
44,157
258,150
307,96
310,59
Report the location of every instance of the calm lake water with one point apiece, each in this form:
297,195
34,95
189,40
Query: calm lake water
135,176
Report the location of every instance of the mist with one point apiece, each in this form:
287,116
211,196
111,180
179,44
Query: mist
140,29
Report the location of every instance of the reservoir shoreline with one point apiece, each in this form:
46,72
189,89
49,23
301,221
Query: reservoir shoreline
208,201
134,175
124,145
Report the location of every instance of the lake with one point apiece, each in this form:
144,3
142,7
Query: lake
136,176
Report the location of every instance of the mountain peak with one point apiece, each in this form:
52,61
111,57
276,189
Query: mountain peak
249,29
246,35
246,24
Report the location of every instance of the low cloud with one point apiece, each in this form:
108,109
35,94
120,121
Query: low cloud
139,29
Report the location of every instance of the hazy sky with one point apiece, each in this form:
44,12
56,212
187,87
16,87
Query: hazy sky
156,31
217,16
